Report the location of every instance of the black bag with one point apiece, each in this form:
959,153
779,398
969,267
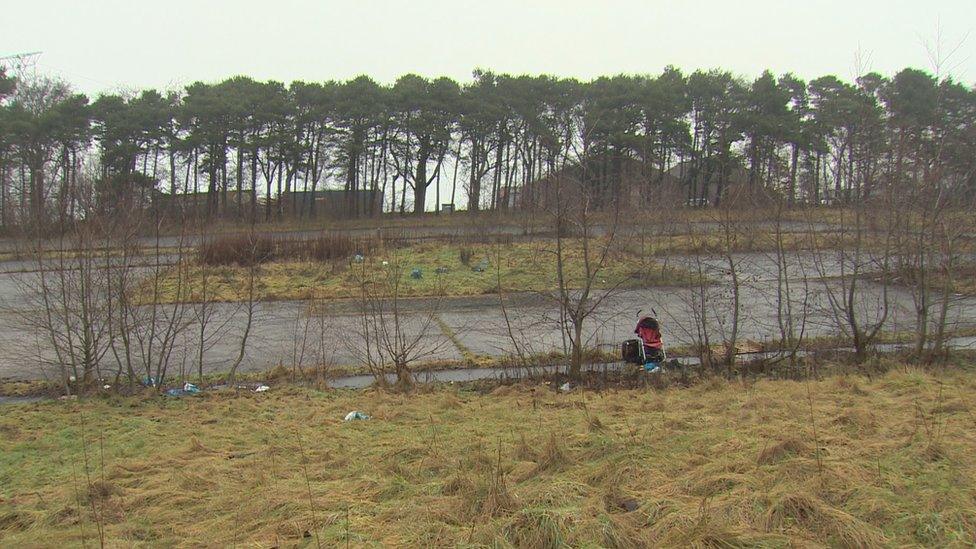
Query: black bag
631,351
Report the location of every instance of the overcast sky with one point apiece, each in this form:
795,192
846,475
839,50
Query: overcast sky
101,45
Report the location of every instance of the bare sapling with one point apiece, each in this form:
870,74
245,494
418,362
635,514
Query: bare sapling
250,301
712,306
729,322
792,293
581,257
208,323
518,324
394,333
316,341
66,291
147,328
855,275
693,322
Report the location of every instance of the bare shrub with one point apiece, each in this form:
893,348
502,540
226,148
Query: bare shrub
392,334
248,248
714,301
845,273
239,249
579,294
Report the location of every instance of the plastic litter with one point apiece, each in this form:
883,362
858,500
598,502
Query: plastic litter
358,258
356,415
565,387
416,274
149,381
188,389
652,368
106,387
386,263
261,389
481,267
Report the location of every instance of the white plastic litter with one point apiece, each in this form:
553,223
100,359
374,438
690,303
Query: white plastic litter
356,415
261,389
565,387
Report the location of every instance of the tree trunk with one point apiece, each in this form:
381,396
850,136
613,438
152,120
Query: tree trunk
576,362
474,183
420,180
240,183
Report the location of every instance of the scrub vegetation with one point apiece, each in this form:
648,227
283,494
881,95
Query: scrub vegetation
445,269
846,460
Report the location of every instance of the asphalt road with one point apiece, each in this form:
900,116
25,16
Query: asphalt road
286,333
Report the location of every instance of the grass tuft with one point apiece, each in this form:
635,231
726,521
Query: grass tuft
538,529
465,466
552,456
800,510
781,450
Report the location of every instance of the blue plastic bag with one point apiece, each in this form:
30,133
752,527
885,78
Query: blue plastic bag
188,389
652,367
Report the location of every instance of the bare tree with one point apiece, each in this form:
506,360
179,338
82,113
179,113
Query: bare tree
391,336
315,341
729,323
146,328
710,315
581,258
249,300
952,232
518,323
934,224
68,292
792,294
845,270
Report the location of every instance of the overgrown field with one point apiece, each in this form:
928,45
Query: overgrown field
445,269
846,461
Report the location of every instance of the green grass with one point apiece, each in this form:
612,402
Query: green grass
718,464
521,267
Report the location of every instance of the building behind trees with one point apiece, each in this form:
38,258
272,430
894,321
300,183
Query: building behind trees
244,149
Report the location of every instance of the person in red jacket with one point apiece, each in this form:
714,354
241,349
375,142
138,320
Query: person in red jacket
649,332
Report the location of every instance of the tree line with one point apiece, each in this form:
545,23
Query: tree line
243,148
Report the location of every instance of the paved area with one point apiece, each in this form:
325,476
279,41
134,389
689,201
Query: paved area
286,333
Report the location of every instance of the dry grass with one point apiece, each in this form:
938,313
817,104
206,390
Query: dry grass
715,465
524,266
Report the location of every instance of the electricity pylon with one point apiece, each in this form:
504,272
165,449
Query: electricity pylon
20,61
